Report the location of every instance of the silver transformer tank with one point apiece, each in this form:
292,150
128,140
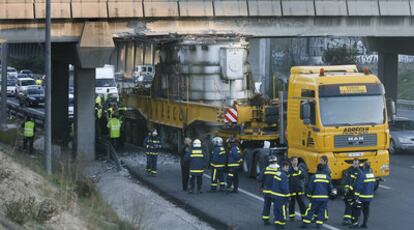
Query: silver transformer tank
211,71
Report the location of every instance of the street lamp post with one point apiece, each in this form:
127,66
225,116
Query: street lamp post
48,117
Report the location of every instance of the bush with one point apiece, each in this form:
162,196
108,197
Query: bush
47,209
20,211
85,188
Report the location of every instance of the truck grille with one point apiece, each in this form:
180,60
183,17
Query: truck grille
344,141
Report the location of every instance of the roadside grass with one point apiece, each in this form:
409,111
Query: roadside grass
72,189
406,85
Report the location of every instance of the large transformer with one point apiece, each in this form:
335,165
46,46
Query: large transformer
212,71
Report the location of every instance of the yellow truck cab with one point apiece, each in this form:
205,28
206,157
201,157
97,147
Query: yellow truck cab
338,112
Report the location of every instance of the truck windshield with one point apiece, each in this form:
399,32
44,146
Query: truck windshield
352,110
110,82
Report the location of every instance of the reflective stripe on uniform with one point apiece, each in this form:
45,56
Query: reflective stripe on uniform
197,171
234,165
321,181
196,155
265,217
279,194
280,222
319,196
217,165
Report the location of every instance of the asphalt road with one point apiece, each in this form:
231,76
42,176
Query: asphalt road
392,207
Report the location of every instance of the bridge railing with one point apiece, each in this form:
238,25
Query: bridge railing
74,9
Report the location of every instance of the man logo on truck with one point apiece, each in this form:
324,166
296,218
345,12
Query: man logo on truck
356,140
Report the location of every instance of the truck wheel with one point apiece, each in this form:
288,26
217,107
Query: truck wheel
393,147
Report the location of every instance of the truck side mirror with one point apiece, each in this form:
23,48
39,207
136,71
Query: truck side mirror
393,110
305,112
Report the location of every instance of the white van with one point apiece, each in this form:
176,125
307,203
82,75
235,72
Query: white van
22,84
105,81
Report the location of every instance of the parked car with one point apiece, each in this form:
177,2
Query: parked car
28,72
11,87
23,83
402,135
11,71
33,96
22,75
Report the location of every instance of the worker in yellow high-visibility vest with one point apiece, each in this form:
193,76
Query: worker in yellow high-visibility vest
28,133
114,126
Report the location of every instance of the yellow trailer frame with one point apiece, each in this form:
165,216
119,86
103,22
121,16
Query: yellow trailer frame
178,114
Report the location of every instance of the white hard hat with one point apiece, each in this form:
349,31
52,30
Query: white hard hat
272,159
217,141
154,132
266,144
197,143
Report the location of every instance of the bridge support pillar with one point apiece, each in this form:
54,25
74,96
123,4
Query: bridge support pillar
388,73
264,65
60,121
85,114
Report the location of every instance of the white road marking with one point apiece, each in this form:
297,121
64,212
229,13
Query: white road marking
384,187
262,200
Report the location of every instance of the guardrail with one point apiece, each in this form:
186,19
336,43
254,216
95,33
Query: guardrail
73,9
19,111
407,104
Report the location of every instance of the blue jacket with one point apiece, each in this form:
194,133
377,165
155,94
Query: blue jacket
266,177
153,145
319,187
350,178
280,186
218,157
196,159
296,181
365,185
234,157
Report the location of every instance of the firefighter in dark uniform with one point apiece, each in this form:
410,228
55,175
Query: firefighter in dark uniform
153,150
185,163
296,182
29,128
233,165
218,164
364,192
319,189
197,163
350,177
266,179
327,170
280,195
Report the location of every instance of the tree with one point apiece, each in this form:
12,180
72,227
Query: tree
340,56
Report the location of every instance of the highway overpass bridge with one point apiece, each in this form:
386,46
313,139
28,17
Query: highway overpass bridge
90,33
